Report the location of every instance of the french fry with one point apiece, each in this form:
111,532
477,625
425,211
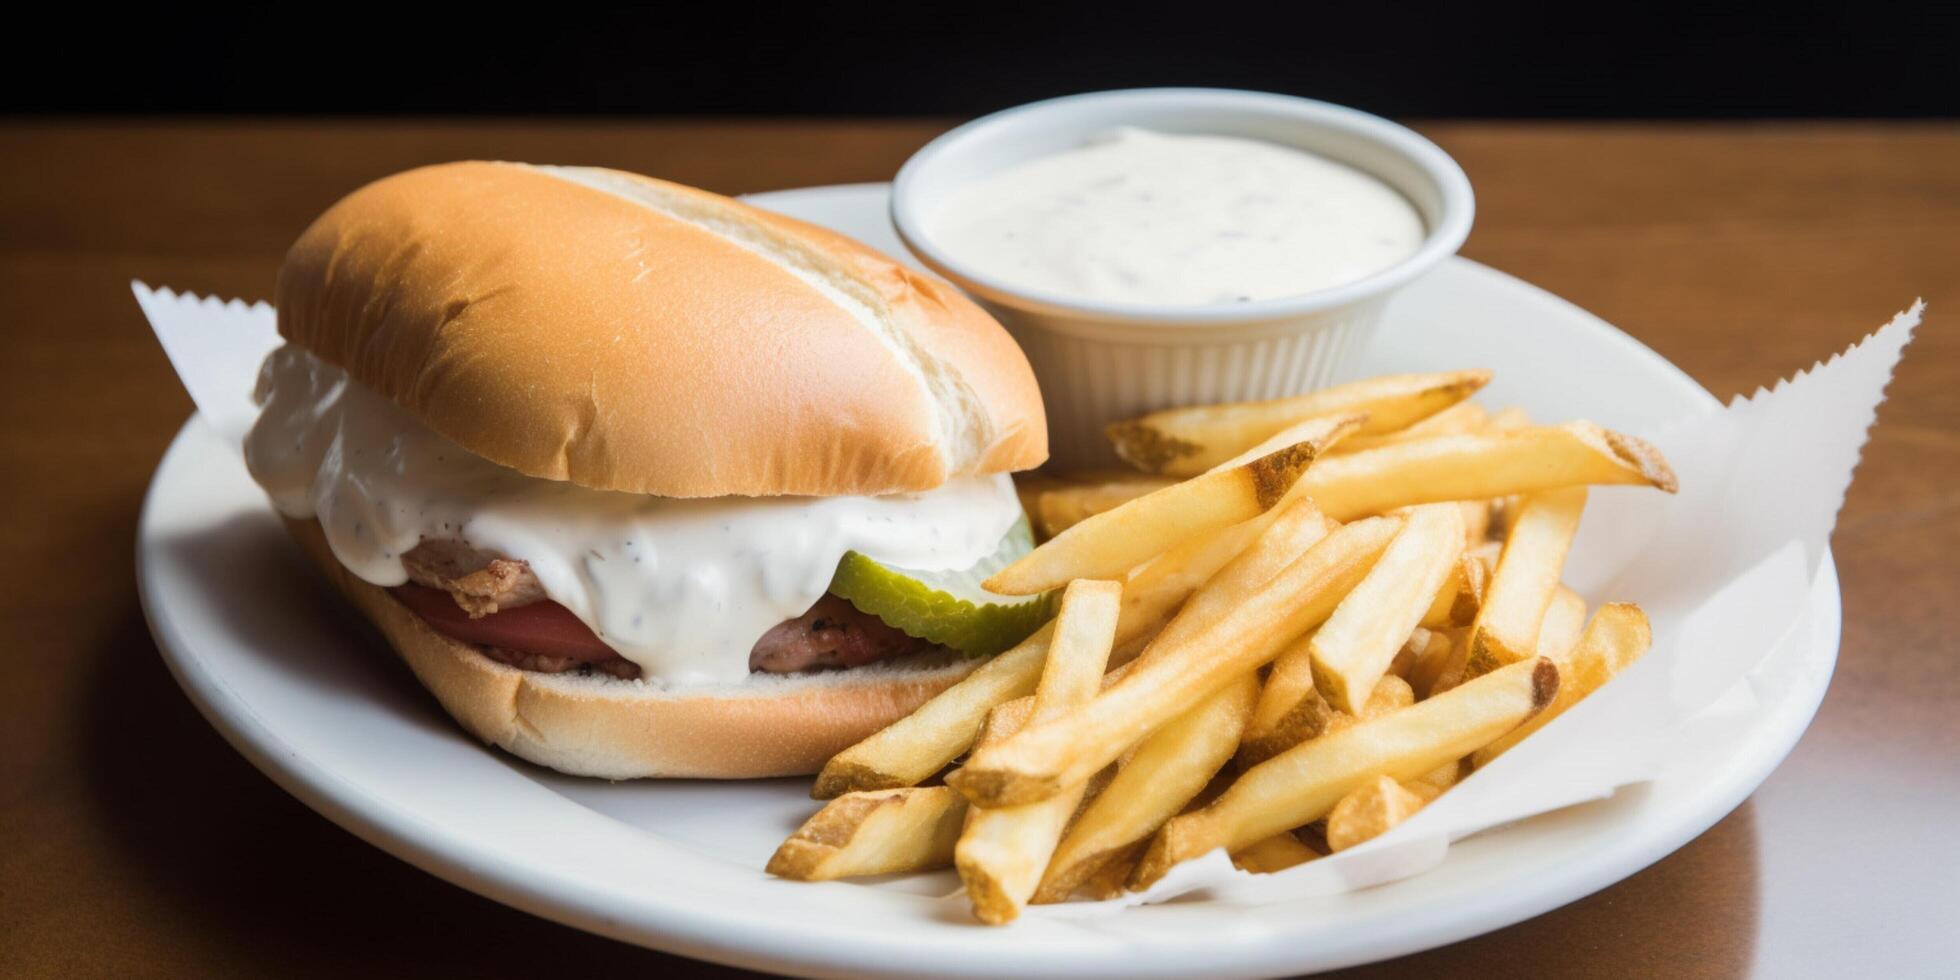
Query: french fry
1275,853
1310,584
1154,591
1044,758
1110,880
1370,810
1405,658
1303,784
1527,576
1509,419
1462,594
920,745
1187,441
1456,419
1565,620
1001,853
1005,719
1324,431
1352,650
1167,770
1111,543
915,747
874,832
1435,658
1481,466
1476,522
1058,508
1617,636
1433,783
1297,526
1291,711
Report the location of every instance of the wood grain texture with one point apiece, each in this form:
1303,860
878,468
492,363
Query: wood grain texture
140,845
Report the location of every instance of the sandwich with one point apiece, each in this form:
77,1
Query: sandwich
639,480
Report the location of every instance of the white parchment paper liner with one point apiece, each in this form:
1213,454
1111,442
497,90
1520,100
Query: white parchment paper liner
1721,568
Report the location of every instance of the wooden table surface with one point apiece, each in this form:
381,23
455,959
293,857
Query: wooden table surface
137,843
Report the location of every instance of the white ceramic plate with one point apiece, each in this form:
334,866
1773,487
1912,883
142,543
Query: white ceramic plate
311,698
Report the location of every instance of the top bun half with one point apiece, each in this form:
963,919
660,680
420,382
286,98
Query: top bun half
625,333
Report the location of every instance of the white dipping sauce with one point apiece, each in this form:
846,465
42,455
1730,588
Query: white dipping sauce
683,588
1144,217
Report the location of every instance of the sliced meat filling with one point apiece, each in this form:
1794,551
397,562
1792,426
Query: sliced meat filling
833,633
480,582
498,604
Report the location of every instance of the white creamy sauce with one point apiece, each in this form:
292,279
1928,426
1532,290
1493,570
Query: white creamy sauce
1144,217
683,588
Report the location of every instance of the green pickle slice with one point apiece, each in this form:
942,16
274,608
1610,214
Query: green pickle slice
949,607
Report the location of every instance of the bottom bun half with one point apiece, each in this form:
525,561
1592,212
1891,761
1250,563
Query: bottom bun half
601,726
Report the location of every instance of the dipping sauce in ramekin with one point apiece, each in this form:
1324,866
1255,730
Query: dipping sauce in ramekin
1124,307
1135,216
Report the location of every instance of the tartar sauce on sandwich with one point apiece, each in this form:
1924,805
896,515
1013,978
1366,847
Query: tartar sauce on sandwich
683,588
1180,220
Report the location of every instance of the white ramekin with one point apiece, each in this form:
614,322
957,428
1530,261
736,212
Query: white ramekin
1100,362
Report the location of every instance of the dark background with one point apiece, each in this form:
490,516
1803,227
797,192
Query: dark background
1582,60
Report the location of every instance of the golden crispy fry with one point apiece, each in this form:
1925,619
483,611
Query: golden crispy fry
1007,718
1297,526
1324,431
1455,671
1433,659
1476,522
1462,594
1291,711
913,748
1527,577
1448,646
1303,784
1288,709
1481,466
1431,784
1058,508
1001,853
874,832
1275,853
1617,637
1111,879
1154,590
1044,758
1565,619
1185,441
1509,419
1458,418
1369,810
1256,549
1110,544
1167,770
1353,649
1405,658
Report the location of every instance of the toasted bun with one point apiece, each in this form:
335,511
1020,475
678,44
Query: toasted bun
600,726
625,333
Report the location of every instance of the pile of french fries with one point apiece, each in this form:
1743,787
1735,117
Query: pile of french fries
1295,626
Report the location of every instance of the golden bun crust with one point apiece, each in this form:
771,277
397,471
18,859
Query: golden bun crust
626,333
599,726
